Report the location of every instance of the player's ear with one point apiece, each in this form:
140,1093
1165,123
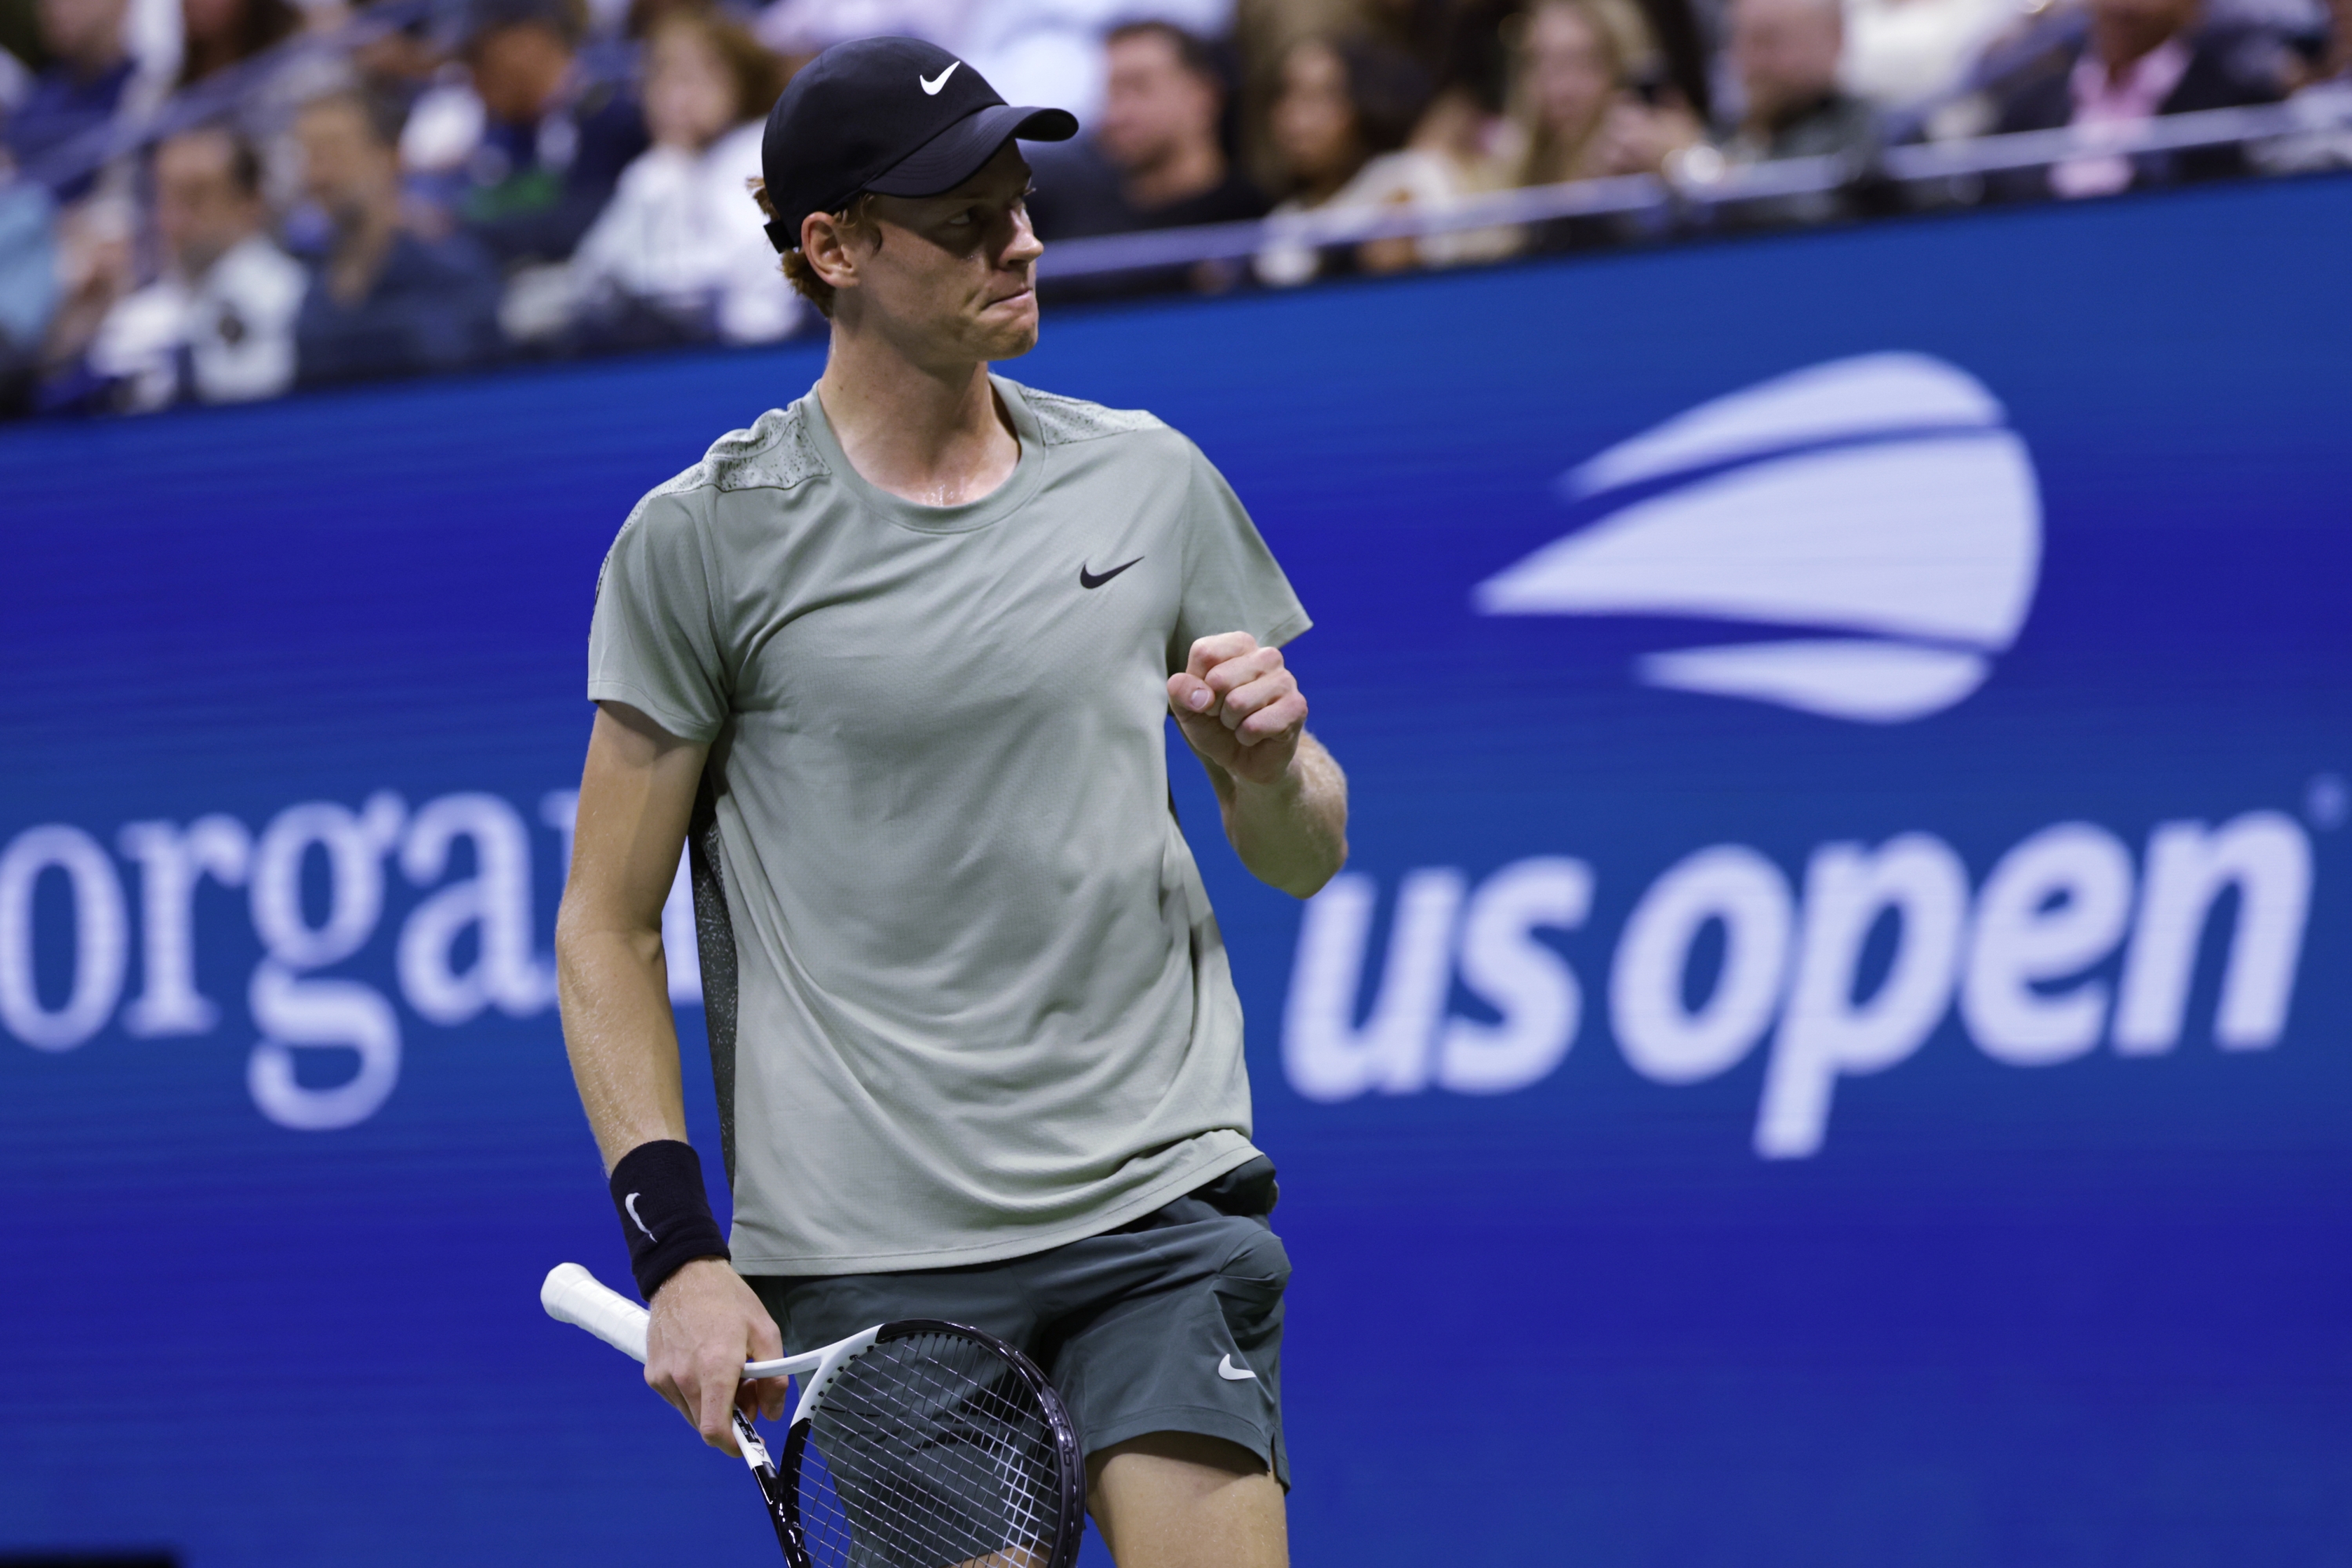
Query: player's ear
825,243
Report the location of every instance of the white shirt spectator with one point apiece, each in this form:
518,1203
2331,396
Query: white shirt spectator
235,325
1906,54
682,231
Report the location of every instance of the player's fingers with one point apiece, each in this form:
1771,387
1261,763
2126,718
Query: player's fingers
1210,651
714,1403
1287,716
772,1392
1190,694
1263,692
767,1344
1230,675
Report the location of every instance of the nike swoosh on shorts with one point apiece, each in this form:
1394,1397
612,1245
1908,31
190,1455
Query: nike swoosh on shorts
1232,1373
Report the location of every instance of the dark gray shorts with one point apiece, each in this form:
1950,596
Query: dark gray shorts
1169,1323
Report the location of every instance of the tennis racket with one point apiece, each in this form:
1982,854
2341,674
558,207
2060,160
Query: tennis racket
916,1444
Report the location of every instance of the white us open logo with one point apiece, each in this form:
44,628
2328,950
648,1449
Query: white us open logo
1880,497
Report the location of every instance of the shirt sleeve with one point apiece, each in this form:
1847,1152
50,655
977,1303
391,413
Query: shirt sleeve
1231,583
653,642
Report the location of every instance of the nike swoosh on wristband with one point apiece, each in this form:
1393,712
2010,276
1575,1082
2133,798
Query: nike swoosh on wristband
1232,1373
1088,580
630,1203
931,86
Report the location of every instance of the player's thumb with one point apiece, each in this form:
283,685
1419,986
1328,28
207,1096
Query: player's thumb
1190,697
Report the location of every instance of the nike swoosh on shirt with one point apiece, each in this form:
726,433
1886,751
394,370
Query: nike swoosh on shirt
932,87
1088,580
1232,1373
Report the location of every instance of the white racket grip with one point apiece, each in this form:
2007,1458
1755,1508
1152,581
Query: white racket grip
572,1295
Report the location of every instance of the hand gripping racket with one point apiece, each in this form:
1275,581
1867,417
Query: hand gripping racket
916,1444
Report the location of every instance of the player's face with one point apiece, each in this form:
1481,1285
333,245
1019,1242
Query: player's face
956,275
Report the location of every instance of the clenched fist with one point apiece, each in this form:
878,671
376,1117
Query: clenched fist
1239,707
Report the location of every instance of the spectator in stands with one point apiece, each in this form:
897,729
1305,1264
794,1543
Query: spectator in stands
2139,58
383,300
28,285
553,143
1905,55
1786,54
96,265
219,34
1582,98
1054,51
218,325
1153,159
1343,111
1459,45
1590,100
82,90
683,243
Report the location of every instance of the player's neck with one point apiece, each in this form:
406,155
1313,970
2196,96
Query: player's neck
932,434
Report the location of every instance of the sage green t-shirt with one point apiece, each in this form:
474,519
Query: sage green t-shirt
979,1004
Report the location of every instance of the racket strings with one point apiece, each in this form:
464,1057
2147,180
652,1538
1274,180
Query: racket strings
881,1517
959,1491
930,1452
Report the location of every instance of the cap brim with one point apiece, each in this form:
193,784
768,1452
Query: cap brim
955,154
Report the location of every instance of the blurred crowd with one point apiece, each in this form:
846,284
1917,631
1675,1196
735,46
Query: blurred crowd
218,200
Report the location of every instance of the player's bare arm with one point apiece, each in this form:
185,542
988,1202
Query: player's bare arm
635,795
1284,799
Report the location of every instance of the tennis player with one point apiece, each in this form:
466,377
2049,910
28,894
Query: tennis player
897,659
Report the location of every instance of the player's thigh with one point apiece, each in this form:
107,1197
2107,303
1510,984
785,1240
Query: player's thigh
1180,1500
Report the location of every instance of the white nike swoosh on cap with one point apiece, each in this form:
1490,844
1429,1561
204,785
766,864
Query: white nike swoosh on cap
1232,1373
932,86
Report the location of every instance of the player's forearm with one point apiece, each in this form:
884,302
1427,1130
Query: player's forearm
617,1029
1292,834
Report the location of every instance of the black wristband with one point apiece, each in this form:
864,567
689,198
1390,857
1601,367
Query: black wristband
665,1211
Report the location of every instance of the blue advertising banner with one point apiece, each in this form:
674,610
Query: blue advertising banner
1833,1045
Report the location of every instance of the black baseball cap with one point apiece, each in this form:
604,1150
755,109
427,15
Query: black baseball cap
897,116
